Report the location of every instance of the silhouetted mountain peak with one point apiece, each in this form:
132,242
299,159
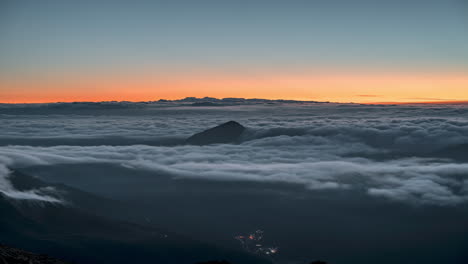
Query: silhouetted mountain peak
231,124
225,133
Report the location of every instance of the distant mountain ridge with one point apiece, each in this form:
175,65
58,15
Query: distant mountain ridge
188,101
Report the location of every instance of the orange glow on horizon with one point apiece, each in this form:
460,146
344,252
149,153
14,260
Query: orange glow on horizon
334,87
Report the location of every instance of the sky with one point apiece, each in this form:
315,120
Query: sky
335,50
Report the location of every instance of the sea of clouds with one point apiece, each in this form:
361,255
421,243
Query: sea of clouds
405,153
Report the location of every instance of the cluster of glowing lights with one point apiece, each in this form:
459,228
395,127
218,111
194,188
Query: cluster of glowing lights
253,243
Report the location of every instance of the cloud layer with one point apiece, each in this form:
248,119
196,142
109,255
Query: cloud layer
384,151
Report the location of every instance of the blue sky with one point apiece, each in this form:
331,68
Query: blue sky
415,34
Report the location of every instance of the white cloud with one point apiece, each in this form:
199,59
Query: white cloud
8,190
410,179
382,150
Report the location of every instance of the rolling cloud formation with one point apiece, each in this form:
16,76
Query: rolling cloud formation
411,154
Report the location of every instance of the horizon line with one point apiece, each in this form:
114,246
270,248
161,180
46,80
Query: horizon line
252,98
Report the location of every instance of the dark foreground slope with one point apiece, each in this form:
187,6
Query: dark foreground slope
73,234
10,255
338,226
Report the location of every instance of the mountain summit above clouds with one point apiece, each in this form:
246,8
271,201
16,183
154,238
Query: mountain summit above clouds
225,133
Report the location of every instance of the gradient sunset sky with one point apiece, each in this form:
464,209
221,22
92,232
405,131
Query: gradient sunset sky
327,50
